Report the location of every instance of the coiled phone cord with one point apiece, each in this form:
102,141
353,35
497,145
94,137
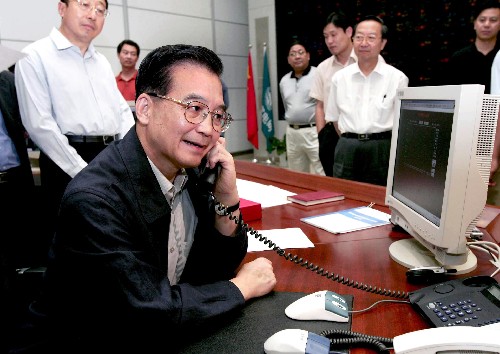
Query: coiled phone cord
348,339
305,263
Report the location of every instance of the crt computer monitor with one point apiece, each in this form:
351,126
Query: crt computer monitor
439,167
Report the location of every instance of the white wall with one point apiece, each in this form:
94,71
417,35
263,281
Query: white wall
259,10
221,25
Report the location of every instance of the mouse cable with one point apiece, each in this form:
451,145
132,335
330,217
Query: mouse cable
378,303
340,339
305,263
488,247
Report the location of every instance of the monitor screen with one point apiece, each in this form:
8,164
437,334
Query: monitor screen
422,155
441,148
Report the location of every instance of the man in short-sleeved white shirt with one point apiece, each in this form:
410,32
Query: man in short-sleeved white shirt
301,136
362,107
337,33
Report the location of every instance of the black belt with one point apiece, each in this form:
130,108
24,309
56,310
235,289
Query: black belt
372,136
9,175
101,139
299,126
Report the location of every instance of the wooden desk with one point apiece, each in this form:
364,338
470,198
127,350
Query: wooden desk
360,256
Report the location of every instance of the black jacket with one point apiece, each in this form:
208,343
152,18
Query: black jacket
107,288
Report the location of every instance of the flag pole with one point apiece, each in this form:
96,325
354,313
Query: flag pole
268,160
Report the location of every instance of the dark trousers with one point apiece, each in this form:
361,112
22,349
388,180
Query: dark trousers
54,181
17,212
327,138
362,160
18,238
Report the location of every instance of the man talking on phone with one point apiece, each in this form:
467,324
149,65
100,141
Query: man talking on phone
143,250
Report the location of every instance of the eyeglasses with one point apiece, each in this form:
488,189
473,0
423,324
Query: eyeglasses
294,54
370,38
195,112
99,9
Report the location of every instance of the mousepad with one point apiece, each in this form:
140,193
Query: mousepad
247,331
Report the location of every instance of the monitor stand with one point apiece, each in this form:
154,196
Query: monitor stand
411,254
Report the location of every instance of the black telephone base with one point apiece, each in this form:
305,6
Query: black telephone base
473,301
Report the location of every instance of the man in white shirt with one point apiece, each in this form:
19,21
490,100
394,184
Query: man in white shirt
362,107
337,33
301,135
68,99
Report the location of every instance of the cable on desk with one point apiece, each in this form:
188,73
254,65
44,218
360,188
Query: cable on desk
488,247
305,263
348,339
379,302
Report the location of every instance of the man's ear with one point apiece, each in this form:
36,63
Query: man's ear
348,31
143,106
61,8
384,42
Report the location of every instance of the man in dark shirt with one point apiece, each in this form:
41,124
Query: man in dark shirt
472,64
145,251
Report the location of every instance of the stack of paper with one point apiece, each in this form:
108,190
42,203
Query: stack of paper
283,238
265,195
349,220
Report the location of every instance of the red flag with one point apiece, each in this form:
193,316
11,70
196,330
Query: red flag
252,127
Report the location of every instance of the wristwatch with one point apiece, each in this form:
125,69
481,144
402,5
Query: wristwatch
221,209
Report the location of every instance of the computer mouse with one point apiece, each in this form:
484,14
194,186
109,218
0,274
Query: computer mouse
321,305
296,341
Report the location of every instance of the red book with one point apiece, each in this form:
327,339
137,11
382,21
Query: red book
317,197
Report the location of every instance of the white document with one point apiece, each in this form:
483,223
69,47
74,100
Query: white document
265,195
292,237
349,220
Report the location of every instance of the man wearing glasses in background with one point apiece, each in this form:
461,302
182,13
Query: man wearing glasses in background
361,106
68,99
146,255
302,146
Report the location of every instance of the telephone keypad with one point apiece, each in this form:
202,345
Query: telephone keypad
457,313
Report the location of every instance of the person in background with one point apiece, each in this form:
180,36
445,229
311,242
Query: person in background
362,104
301,135
475,64
478,63
337,33
68,99
493,192
128,54
145,252
472,64
16,195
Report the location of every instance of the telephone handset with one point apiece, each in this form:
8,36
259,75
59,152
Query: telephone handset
208,176
455,339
